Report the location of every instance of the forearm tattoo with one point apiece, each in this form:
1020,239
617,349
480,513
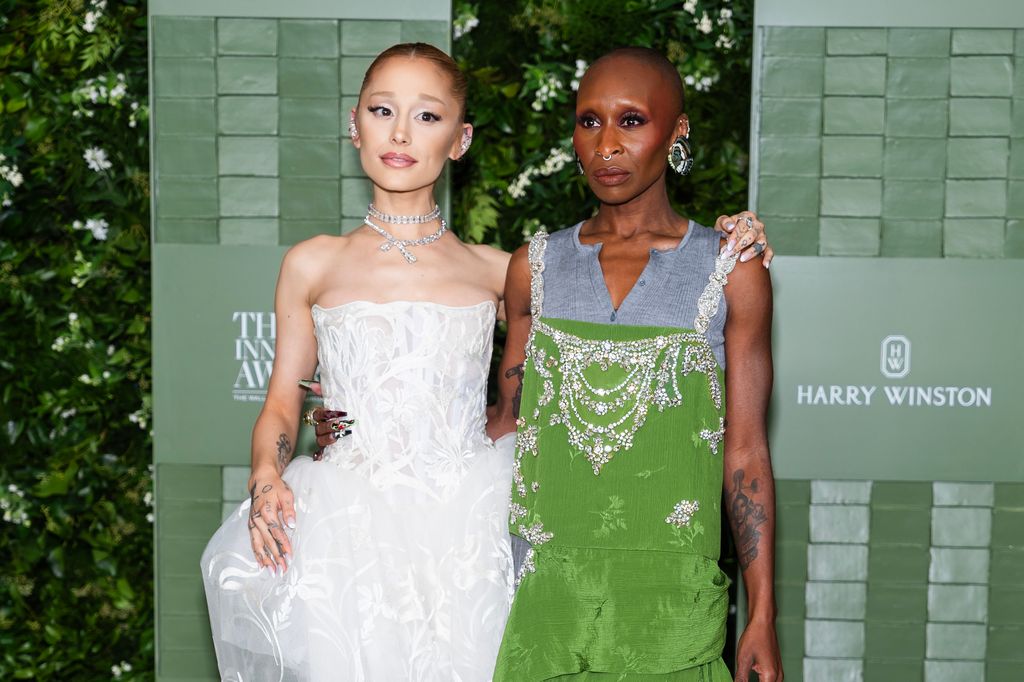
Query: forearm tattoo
284,451
517,398
745,515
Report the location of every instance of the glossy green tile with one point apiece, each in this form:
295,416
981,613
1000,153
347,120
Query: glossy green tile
311,158
310,199
912,239
193,231
793,667
958,641
898,564
919,42
913,199
1009,495
295,231
368,38
789,599
856,156
1007,567
186,631
234,483
854,115
841,492
790,117
185,116
1002,671
794,41
186,198
247,75
954,671
901,494
188,519
792,522
308,78
1016,164
1014,245
248,197
901,526
1017,106
982,41
1006,606
791,491
958,565
309,38
978,157
961,527
833,639
855,76
958,603
186,155
187,665
248,156
981,77
896,603
836,601
247,36
850,236
833,670
915,158
181,595
183,37
310,117
437,33
791,562
188,482
839,523
1015,199
181,77
848,197
857,41
249,231
895,640
794,236
348,224
247,115
973,237
790,155
792,77
888,670
975,198
979,117
350,166
837,562
352,71
1004,644
791,636
917,118
356,194
918,77
788,196
953,494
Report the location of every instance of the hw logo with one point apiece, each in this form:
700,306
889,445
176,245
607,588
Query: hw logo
895,356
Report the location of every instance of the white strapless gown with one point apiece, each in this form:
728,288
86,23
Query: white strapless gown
401,564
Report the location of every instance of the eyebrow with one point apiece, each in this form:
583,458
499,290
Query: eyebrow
422,95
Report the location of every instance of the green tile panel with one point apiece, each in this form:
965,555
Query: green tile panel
912,238
246,76
918,77
982,41
896,603
895,641
833,670
958,603
309,77
249,231
368,38
841,492
973,237
857,156
312,38
850,236
247,156
246,37
855,75
789,41
792,77
854,115
186,116
919,42
857,41
184,37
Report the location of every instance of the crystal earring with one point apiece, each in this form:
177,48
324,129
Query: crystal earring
579,166
467,140
680,157
353,132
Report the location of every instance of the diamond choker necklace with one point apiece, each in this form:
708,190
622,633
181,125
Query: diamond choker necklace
403,244
404,219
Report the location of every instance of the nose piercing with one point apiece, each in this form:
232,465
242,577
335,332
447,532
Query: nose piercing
606,158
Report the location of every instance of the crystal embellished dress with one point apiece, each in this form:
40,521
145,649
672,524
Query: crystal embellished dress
401,567
617,485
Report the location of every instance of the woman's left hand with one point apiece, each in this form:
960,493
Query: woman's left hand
746,236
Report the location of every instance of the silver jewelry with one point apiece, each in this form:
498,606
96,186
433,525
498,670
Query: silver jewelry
353,132
750,222
464,146
758,248
404,219
403,244
606,158
579,166
680,157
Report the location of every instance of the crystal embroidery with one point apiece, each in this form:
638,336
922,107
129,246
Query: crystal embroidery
516,512
535,534
714,437
535,255
527,567
683,513
707,304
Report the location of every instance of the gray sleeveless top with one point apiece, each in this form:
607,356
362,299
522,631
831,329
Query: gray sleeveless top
665,295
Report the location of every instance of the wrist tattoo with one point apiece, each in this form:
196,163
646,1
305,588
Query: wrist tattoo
517,372
745,515
284,451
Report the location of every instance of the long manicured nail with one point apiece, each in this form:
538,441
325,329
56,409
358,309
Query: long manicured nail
291,523
730,226
747,255
334,414
767,264
306,383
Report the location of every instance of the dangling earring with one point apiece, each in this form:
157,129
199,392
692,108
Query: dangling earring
353,132
579,166
467,140
680,158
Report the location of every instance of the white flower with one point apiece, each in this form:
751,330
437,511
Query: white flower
96,158
68,413
463,24
725,15
724,42
121,668
690,6
106,374
98,227
704,25
89,25
84,378
72,318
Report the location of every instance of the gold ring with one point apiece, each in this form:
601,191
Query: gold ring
309,418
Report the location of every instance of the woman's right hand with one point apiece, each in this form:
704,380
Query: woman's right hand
272,507
330,426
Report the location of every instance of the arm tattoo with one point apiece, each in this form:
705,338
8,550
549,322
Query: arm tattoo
745,515
516,371
284,451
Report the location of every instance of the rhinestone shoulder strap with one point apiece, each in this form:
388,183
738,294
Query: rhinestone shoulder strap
707,304
538,244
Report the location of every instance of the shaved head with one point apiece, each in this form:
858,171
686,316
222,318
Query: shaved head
652,59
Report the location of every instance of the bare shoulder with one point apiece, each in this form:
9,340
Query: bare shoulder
489,254
315,251
749,285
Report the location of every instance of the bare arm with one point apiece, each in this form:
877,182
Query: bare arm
749,482
273,436
510,375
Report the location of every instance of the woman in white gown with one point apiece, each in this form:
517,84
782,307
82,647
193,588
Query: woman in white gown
388,559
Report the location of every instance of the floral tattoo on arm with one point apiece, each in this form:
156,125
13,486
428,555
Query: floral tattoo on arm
745,515
284,451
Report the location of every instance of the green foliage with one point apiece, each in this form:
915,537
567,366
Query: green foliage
521,57
75,484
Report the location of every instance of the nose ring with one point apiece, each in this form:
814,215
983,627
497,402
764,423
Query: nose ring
606,158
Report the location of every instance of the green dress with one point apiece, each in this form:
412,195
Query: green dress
617,484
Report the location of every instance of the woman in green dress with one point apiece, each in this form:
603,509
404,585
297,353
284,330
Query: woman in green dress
620,329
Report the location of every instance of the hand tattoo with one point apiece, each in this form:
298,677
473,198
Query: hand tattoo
745,515
284,451
516,371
